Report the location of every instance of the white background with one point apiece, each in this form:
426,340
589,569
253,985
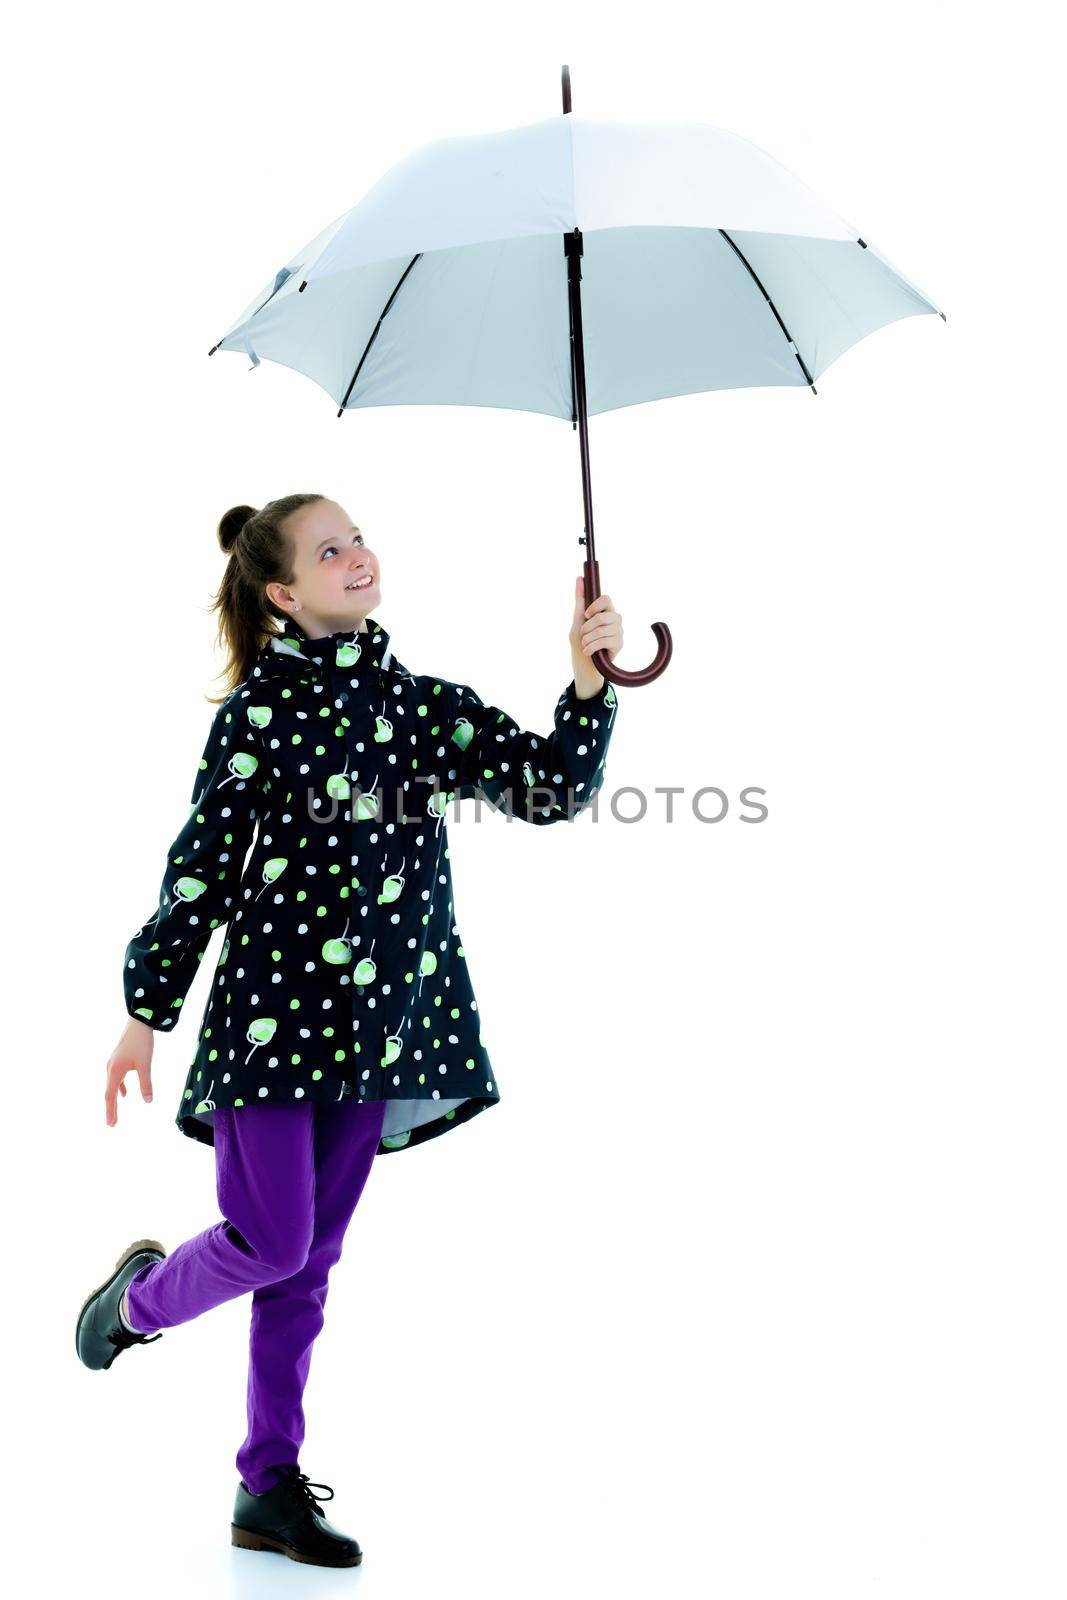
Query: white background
752,1285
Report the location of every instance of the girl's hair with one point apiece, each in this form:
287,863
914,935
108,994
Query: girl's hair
259,553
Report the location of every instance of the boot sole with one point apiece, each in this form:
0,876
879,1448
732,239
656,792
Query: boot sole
131,1250
245,1539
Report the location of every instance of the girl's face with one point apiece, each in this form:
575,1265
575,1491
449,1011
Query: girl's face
335,574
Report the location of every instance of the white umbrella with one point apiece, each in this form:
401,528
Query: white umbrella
571,267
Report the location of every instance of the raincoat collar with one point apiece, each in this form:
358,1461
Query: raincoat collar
334,649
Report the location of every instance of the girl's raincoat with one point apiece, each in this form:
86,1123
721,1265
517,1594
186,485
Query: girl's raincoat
343,971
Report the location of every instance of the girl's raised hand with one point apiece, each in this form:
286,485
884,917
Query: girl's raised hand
597,626
133,1053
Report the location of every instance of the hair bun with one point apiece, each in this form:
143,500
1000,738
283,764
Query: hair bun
231,525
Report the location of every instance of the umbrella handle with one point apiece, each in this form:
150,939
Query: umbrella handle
600,658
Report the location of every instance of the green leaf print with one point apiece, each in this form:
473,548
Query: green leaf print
366,971
337,784
392,887
242,765
272,871
261,1030
366,808
338,952
383,728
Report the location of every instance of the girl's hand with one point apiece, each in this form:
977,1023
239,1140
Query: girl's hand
594,627
133,1053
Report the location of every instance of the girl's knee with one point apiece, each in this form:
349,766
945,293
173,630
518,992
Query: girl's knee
279,1255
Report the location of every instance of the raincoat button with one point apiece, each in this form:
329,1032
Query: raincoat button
362,889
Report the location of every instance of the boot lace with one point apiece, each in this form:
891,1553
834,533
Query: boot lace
302,1487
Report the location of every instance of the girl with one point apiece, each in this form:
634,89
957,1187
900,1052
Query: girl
341,1022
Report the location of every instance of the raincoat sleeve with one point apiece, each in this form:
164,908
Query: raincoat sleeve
204,866
535,777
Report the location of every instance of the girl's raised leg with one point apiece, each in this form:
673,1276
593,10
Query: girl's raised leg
265,1181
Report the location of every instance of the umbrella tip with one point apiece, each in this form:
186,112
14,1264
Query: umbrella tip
214,347
941,314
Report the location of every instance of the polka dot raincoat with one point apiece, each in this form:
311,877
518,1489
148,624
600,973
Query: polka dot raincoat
343,971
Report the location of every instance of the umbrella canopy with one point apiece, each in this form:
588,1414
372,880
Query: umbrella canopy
688,232
571,267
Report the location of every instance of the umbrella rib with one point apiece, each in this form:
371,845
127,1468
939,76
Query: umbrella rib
755,279
374,335
281,277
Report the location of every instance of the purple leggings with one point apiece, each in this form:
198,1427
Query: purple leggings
288,1179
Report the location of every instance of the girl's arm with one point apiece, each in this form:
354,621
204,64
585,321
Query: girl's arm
530,776
203,869
535,777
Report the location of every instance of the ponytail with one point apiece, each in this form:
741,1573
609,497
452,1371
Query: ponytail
258,552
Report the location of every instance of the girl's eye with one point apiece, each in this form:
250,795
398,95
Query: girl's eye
331,549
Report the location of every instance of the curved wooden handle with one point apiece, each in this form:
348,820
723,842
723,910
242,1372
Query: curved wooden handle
605,666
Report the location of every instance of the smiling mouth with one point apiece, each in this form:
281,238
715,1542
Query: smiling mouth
363,583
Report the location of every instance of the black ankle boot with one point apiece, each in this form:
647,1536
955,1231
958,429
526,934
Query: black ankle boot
286,1518
100,1335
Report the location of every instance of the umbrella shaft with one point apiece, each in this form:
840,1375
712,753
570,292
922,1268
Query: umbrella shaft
572,246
